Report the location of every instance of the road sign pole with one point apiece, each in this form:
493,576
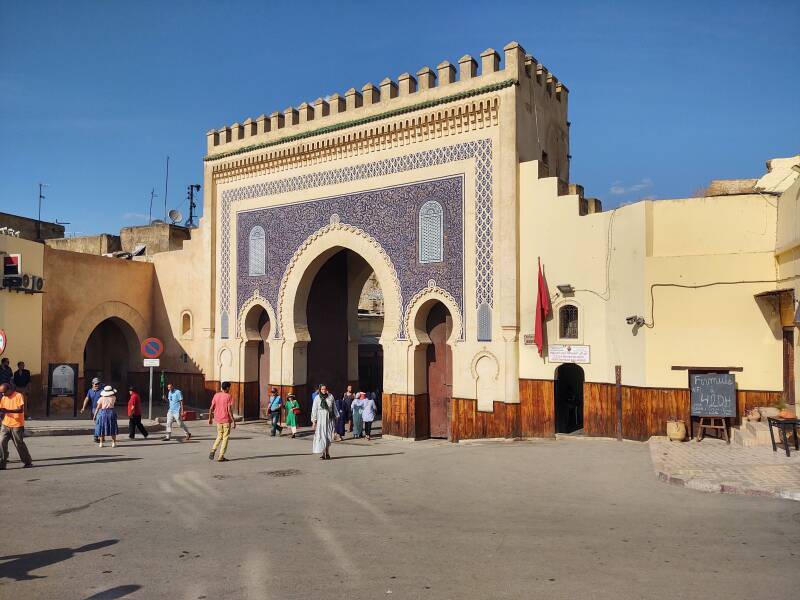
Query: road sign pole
150,411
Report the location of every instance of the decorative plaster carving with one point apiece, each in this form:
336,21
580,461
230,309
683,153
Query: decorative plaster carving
432,292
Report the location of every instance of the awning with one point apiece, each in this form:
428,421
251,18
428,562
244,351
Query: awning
774,293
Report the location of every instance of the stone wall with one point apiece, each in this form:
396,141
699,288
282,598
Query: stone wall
28,228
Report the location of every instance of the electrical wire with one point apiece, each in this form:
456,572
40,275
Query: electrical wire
606,295
652,322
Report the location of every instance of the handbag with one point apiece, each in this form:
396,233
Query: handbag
296,410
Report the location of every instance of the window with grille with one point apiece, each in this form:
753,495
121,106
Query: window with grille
258,251
431,232
568,322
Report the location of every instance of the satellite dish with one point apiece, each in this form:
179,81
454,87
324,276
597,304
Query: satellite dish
175,216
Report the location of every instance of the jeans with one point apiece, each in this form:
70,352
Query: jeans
17,435
176,417
368,428
223,431
275,417
134,423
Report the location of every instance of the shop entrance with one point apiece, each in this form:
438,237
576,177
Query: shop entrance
568,392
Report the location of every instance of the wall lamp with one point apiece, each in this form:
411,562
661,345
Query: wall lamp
566,289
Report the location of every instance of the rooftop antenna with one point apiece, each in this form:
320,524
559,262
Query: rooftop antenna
152,195
195,187
166,183
39,220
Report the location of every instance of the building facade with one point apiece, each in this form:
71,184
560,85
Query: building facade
436,196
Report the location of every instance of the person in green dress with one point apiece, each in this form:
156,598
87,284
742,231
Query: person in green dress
291,418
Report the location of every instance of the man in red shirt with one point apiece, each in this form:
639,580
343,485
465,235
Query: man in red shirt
221,413
135,414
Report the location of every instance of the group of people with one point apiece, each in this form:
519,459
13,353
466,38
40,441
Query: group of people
331,418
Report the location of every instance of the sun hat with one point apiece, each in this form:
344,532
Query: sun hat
108,391
95,380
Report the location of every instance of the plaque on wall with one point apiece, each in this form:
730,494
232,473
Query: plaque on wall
564,353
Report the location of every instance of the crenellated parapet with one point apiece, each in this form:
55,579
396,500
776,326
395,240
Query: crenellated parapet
391,97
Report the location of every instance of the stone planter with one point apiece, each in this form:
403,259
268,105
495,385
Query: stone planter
768,411
676,431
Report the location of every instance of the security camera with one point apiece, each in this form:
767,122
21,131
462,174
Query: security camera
631,320
635,320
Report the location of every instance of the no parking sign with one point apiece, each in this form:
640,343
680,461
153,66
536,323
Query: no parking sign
152,347
3,341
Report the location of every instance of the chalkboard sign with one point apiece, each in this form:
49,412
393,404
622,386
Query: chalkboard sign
713,394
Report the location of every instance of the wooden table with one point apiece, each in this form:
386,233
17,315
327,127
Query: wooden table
784,425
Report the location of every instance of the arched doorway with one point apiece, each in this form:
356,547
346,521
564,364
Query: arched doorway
439,369
257,327
108,353
344,316
568,392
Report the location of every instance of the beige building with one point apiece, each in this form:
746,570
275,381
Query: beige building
433,196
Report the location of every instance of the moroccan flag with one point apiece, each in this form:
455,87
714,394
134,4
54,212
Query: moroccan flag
542,310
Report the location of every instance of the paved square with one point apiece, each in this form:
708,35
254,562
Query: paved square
387,519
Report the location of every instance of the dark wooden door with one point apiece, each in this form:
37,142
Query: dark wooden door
788,365
440,370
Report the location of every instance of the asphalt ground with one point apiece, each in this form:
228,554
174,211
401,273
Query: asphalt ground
383,519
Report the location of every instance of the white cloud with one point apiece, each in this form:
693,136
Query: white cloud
134,216
617,188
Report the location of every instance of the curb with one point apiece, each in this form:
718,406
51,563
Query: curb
87,430
704,485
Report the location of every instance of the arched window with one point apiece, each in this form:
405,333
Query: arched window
223,325
431,232
568,321
186,324
258,251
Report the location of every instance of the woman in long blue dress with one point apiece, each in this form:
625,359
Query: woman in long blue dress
342,417
358,408
105,417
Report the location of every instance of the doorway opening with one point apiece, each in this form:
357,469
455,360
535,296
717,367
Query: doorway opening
569,399
439,369
107,354
344,313
257,362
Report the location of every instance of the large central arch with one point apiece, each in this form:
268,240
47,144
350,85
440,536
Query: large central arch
367,256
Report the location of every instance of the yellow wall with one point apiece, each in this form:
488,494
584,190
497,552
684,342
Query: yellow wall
686,242
21,314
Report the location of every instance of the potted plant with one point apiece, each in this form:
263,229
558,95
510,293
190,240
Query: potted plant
676,429
783,410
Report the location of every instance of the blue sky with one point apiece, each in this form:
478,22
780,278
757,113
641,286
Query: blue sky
94,95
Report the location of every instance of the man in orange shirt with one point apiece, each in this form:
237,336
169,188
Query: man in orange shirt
12,410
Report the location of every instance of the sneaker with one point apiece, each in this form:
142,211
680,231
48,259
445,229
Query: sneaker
222,459
28,466
211,455
113,444
99,444
165,438
188,436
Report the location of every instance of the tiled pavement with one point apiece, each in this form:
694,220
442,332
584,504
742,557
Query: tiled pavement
714,466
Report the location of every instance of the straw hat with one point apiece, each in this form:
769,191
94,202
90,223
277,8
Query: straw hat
108,391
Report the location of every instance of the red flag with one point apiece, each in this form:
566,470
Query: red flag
542,310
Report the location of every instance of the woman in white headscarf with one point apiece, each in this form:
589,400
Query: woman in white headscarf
323,417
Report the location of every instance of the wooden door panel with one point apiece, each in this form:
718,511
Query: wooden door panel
440,371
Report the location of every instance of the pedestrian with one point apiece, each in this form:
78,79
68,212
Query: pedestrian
105,418
349,396
292,410
175,412
12,416
221,413
358,408
22,378
275,406
323,418
6,374
342,417
135,414
93,397
368,415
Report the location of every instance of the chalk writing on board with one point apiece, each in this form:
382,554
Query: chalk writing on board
713,394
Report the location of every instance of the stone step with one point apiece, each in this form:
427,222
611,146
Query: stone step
760,431
742,437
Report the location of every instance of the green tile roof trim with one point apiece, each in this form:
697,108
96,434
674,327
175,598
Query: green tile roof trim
357,122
